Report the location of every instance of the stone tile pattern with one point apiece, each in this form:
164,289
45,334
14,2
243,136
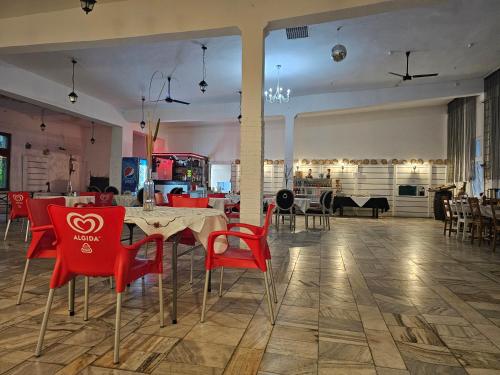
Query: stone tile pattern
387,296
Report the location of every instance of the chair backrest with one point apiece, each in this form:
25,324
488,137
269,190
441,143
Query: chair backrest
217,195
18,207
104,199
179,201
267,221
171,195
88,241
326,203
284,199
37,210
494,218
112,189
447,208
159,198
475,210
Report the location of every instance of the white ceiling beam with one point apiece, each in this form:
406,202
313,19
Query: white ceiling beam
32,88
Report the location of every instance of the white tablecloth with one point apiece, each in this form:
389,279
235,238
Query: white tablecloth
302,204
70,201
218,203
171,220
486,211
126,200
360,201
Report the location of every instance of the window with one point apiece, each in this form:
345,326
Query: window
4,161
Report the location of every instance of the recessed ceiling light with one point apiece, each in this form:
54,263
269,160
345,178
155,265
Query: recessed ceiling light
470,45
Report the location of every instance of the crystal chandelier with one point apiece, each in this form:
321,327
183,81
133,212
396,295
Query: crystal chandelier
277,96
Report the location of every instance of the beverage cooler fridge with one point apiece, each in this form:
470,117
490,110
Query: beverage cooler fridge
134,172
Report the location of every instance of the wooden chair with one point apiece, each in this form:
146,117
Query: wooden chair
450,219
495,226
477,225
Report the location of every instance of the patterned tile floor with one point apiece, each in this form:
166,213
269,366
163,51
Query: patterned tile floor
387,297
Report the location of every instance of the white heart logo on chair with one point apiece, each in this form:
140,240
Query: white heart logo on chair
103,197
18,197
85,224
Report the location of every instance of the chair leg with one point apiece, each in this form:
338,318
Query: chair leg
191,269
160,297
221,281
205,292
116,355
45,320
71,297
273,283
111,282
472,233
27,230
269,302
445,225
7,229
23,282
307,222
86,298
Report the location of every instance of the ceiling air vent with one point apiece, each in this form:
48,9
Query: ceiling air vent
297,32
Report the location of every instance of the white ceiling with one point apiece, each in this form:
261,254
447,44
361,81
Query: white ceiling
438,35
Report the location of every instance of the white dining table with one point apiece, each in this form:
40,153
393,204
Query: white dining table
126,200
70,200
170,222
302,204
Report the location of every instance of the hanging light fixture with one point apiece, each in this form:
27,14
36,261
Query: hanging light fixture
42,125
92,140
239,116
72,95
278,96
203,84
339,52
142,123
87,5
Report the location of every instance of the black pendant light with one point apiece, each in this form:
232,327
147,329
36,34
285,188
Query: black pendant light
92,140
203,84
42,125
142,123
72,95
87,5
239,116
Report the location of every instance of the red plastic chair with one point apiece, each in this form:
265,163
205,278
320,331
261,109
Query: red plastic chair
258,257
42,243
187,236
88,244
104,199
18,210
228,210
170,197
179,201
160,199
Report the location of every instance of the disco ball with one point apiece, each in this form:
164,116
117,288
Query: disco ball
339,52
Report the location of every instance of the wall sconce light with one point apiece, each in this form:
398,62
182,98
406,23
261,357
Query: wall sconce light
414,167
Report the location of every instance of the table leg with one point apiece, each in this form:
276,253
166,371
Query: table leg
376,213
210,281
174,278
71,297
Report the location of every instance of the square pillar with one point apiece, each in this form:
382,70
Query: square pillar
252,129
289,139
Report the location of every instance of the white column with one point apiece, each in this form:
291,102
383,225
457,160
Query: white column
252,129
289,139
121,145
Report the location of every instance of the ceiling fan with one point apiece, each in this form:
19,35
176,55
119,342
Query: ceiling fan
169,99
408,77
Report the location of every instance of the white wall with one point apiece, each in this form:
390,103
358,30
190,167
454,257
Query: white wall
60,131
220,142
383,134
